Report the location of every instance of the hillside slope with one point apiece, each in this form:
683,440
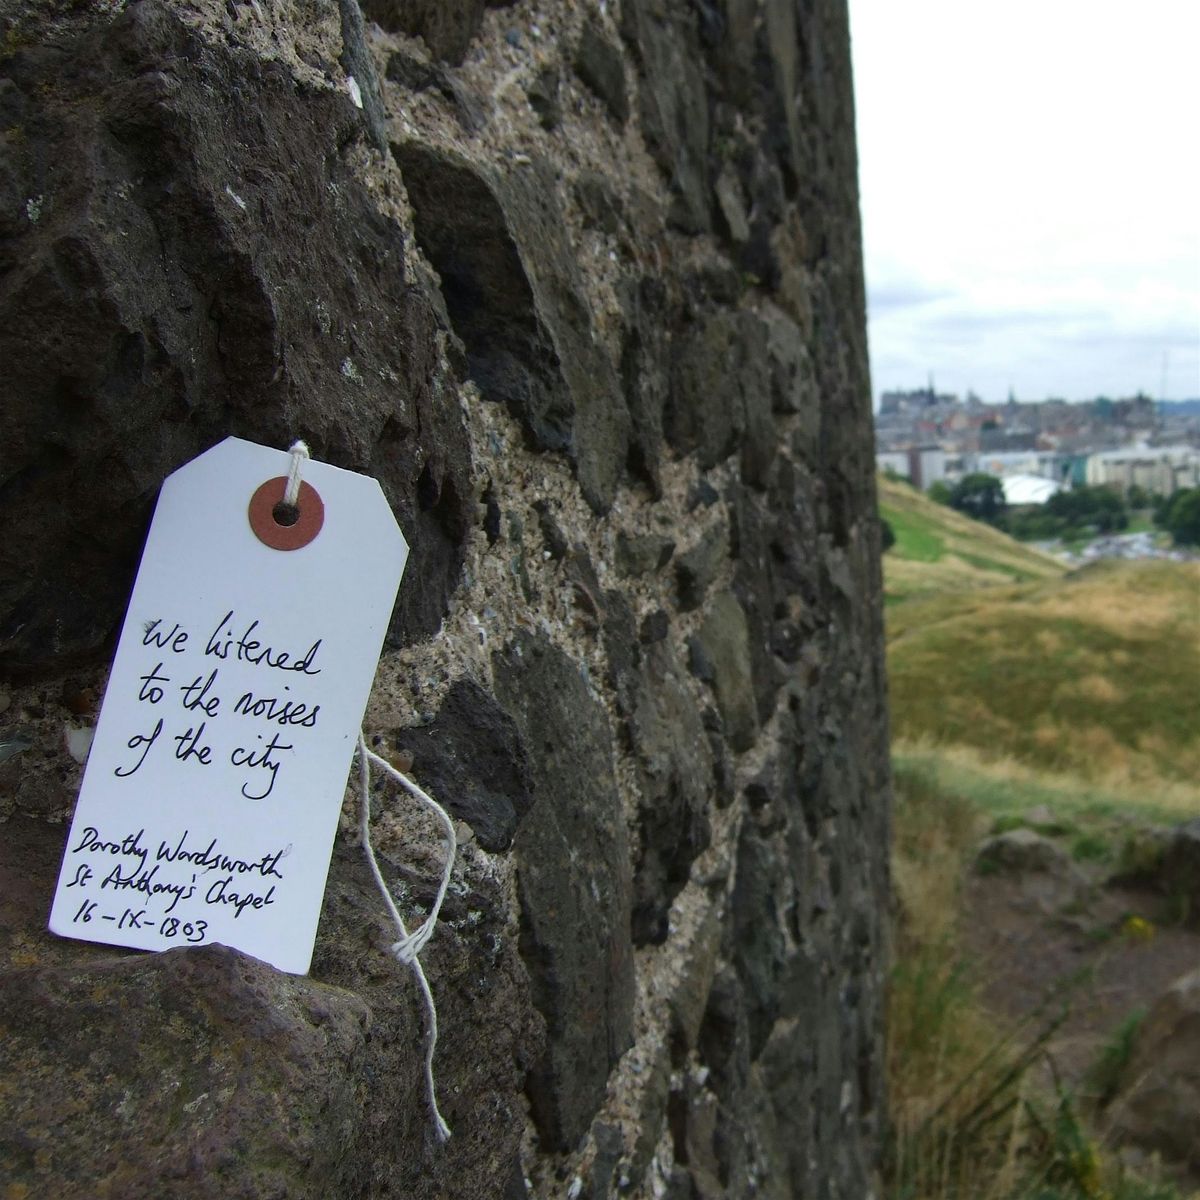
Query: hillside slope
938,549
1094,674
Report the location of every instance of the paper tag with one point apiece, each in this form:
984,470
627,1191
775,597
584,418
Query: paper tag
212,792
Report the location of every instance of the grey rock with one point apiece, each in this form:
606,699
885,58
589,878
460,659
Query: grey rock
724,1040
609,1146
645,371
574,887
1156,1107
762,880
793,384
471,758
654,627
1180,872
672,103
491,515
358,64
679,1185
676,774
655,1084
1038,872
513,291
552,534
619,635
199,320
758,581
702,495
725,640
278,1067
599,202
699,662
1020,850
696,568
732,206
515,1188
720,398
724,776
448,26
544,99
599,64
641,555
689,999
415,73
591,602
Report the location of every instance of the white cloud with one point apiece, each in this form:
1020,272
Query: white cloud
1031,194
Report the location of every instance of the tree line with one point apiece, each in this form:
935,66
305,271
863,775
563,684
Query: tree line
1081,512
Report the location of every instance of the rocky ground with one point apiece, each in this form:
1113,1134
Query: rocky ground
1118,943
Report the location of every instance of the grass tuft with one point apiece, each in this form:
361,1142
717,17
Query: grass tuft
967,1122
1107,1072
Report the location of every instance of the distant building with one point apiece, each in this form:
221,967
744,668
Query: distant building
894,462
1159,469
1028,489
922,466
1046,464
914,401
1007,439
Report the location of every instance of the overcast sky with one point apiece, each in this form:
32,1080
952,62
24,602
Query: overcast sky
1030,176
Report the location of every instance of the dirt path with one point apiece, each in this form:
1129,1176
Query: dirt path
1035,937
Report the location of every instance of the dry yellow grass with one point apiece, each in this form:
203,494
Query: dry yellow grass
1093,687
1121,597
1001,781
1098,673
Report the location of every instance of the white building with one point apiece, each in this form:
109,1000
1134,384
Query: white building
1028,489
1160,469
1047,464
923,466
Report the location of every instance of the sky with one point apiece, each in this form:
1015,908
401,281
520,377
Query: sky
1030,180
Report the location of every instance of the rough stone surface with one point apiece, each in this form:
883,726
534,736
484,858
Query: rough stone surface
513,291
447,26
581,286
300,1043
572,862
1158,1105
676,779
161,287
672,102
601,67
724,642
697,568
1179,875
642,555
472,756
1020,850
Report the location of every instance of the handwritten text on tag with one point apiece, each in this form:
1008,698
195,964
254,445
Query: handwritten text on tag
212,792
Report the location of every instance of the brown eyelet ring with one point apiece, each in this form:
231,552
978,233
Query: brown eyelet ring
285,537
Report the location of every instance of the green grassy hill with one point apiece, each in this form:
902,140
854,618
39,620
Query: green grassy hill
939,549
1020,694
995,650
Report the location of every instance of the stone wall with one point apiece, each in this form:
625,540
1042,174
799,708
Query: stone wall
581,285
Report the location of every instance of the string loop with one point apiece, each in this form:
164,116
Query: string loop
291,493
406,948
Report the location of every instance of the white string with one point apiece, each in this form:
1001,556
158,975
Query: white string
291,493
409,945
